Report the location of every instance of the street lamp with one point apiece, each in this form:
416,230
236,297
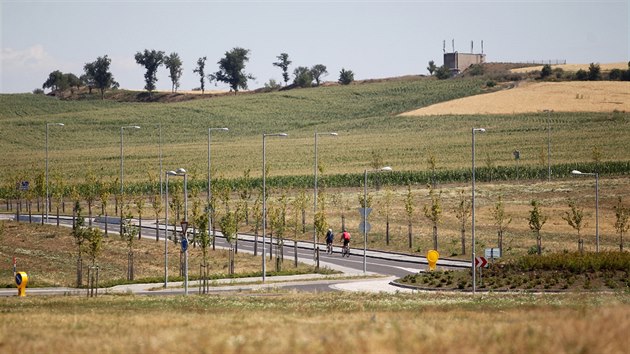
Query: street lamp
596,174
209,179
365,213
315,255
264,196
548,111
474,130
47,200
122,155
179,172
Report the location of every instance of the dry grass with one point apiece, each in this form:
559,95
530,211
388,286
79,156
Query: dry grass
574,67
318,323
49,255
574,96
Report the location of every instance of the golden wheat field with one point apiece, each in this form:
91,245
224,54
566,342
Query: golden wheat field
575,96
574,67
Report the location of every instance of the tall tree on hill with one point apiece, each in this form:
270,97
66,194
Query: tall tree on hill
283,63
346,76
55,81
432,67
231,69
201,64
317,72
97,75
151,60
303,77
174,65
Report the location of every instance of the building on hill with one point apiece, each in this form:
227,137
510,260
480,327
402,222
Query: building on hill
458,62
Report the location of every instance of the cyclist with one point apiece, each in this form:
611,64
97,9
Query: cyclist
330,237
345,237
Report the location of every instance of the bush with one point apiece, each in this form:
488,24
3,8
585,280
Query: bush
476,70
491,83
38,91
346,76
443,72
581,75
615,74
594,72
546,71
303,77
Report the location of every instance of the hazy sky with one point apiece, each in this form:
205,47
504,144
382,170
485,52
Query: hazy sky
372,38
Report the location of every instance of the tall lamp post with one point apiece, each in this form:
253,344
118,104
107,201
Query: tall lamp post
596,174
315,168
474,268
264,196
365,225
548,111
122,156
47,204
179,172
209,178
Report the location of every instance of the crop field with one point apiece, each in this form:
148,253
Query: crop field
287,322
574,67
573,96
367,118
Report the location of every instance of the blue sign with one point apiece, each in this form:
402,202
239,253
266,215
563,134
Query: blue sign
184,244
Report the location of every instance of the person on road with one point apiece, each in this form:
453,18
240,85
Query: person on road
330,237
345,237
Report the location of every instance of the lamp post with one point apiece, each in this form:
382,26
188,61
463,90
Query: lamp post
179,172
474,268
548,111
365,213
47,200
122,158
596,174
264,196
209,178
315,254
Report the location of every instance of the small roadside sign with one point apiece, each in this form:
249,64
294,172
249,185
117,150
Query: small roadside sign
492,253
184,244
23,185
481,262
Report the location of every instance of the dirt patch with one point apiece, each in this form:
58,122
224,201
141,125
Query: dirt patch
574,96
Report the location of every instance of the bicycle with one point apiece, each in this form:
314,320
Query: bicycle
345,251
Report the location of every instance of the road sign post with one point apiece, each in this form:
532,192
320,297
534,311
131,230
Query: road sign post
185,249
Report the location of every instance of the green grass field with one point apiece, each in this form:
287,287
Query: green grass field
364,115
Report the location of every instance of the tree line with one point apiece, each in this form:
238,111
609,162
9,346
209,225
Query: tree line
231,71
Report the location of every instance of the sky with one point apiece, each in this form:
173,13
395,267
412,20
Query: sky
374,39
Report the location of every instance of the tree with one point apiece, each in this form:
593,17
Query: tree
231,69
151,60
302,202
432,162
201,64
622,222
94,239
346,76
501,220
79,234
302,77
434,214
228,224
536,221
463,212
72,81
97,74
387,211
174,65
432,67
443,72
574,218
283,63
545,71
594,72
581,75
55,81
317,72
129,233
409,208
